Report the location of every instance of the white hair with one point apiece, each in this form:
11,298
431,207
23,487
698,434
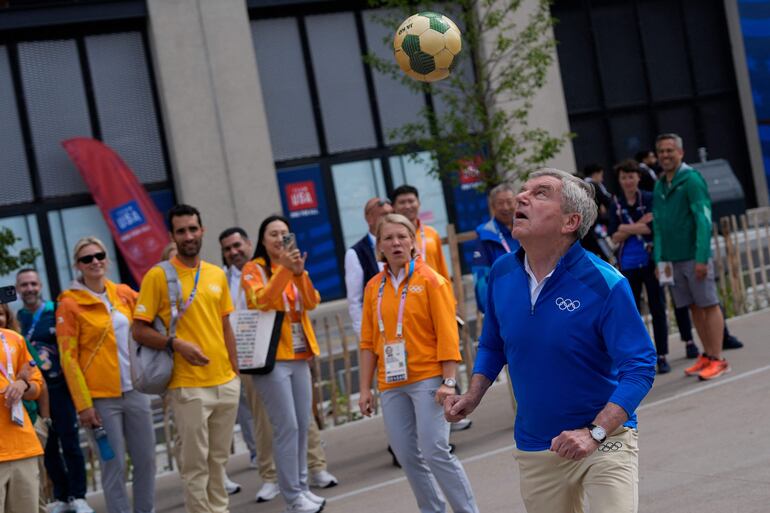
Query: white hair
497,189
670,136
577,196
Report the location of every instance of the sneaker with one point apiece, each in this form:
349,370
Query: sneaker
692,350
701,363
231,486
268,492
253,461
80,506
730,342
715,369
60,507
460,425
303,505
322,479
315,498
663,366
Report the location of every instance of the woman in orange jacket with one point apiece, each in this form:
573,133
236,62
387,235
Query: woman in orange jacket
409,336
276,280
93,325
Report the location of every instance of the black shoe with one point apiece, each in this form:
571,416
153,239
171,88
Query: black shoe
395,460
692,350
451,448
663,366
731,342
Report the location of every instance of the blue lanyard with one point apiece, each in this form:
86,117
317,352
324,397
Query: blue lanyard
502,238
400,320
35,320
194,291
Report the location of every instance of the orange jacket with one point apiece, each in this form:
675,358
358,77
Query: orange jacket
434,253
17,442
429,330
82,321
270,297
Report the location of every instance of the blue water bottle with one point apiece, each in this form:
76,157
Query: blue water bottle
105,450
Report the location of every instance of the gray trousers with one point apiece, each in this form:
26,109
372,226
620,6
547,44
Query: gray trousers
287,395
418,433
246,421
128,423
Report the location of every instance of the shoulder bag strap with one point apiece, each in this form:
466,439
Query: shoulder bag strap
174,294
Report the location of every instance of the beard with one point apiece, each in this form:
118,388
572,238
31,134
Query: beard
189,249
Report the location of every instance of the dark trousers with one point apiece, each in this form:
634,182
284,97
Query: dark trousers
683,323
646,276
63,459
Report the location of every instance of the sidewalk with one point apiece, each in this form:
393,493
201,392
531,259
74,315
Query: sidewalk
704,447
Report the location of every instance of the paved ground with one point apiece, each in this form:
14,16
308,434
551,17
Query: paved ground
705,448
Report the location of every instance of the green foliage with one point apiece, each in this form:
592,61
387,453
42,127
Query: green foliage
9,262
509,68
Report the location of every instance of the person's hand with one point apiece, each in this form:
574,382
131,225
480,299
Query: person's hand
457,407
574,445
190,352
90,418
366,402
13,392
443,392
646,218
701,271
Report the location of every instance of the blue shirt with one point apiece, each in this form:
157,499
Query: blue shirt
580,346
633,252
43,339
489,247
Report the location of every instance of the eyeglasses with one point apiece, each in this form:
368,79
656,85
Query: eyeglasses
87,259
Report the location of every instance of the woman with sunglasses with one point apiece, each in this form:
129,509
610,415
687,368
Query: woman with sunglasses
409,336
93,325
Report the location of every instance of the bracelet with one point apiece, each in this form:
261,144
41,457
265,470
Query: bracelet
29,385
170,344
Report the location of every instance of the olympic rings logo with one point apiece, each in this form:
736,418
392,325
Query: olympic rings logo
610,446
416,288
567,304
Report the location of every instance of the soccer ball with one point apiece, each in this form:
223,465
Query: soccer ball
427,45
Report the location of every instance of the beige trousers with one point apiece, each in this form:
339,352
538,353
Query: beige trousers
204,419
608,478
263,434
19,485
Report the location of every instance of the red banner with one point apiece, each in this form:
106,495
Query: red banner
135,223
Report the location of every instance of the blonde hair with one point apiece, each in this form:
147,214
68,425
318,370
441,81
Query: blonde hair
11,322
396,219
87,241
166,255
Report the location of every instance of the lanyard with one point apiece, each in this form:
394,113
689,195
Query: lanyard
424,253
35,320
191,297
502,240
297,300
400,321
7,372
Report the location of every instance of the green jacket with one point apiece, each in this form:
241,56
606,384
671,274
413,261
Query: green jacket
682,217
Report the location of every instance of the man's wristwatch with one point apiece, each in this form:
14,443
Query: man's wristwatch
597,433
450,382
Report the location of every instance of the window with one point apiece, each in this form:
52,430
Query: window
354,184
26,229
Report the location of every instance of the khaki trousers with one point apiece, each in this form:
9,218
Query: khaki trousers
19,485
204,419
608,478
263,436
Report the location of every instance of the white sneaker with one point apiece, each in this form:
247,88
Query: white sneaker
59,507
322,479
303,505
460,425
268,492
315,498
231,486
80,506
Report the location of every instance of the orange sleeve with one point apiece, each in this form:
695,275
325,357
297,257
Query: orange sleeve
442,312
68,337
310,296
130,295
260,296
441,265
368,323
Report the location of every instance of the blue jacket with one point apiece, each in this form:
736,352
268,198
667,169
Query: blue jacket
488,249
579,347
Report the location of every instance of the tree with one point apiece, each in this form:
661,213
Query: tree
509,47
9,262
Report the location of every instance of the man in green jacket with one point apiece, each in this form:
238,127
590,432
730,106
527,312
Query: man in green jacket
682,236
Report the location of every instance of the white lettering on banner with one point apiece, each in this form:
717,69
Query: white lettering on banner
253,330
304,213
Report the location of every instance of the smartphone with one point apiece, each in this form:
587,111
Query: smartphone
7,294
289,242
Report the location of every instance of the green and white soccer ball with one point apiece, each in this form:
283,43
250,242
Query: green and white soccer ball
427,46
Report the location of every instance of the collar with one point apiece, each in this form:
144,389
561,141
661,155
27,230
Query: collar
531,274
570,258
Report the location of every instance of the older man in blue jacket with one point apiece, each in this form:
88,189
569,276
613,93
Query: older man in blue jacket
579,357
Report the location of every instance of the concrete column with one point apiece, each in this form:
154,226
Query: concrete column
549,107
213,113
747,103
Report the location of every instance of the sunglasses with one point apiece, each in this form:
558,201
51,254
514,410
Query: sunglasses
380,203
87,259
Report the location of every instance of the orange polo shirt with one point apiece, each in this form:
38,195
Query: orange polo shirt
429,329
434,254
17,442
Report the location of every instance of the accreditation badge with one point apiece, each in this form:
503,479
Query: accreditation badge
298,338
395,361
